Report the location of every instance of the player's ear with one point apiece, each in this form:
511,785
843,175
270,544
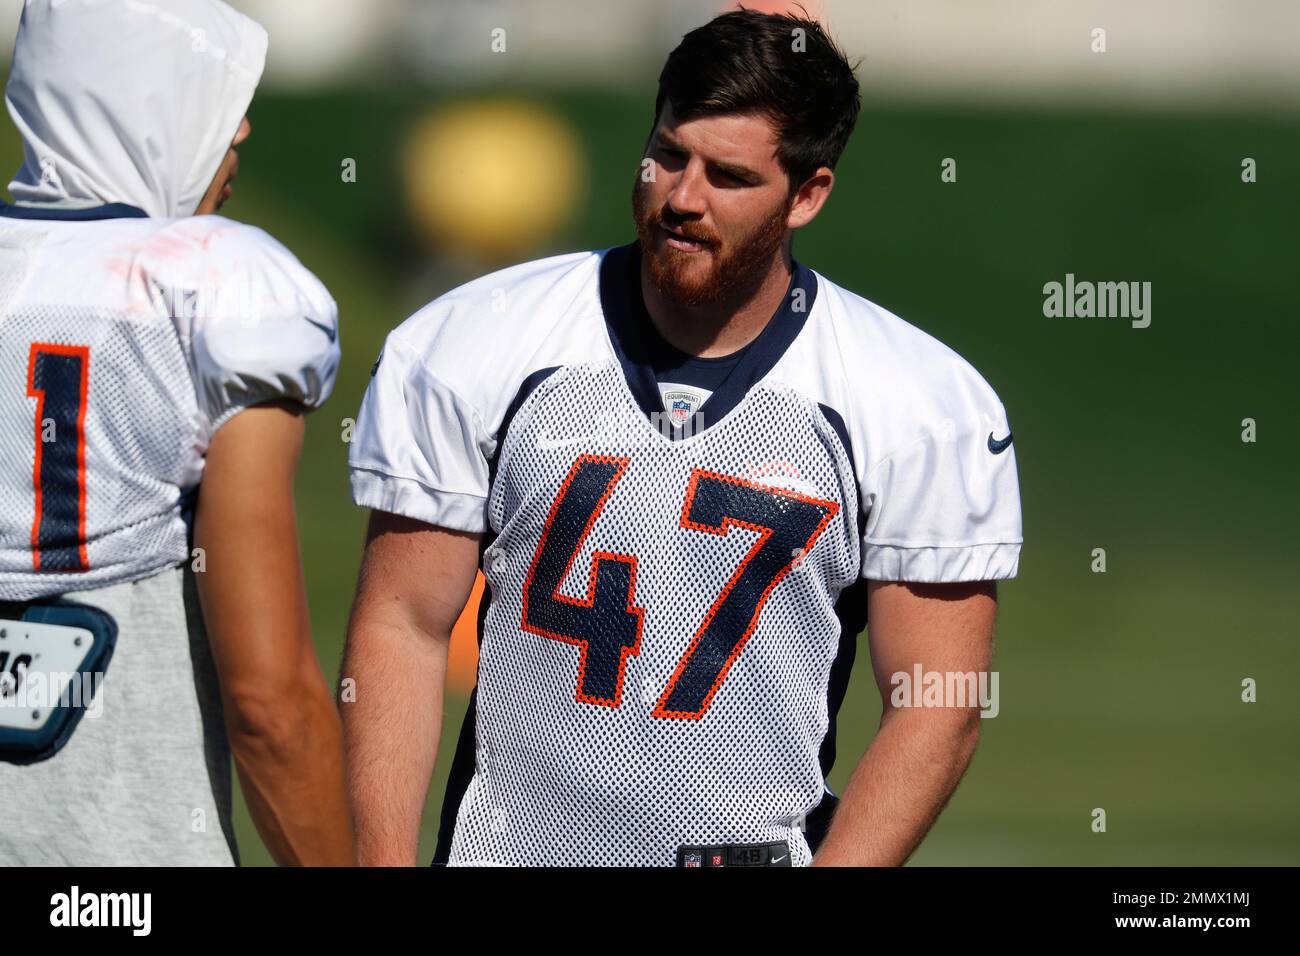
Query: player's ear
810,197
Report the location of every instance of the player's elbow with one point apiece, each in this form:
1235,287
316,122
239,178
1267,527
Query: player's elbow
272,720
966,733
951,731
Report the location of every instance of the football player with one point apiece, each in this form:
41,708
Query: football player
690,469
156,361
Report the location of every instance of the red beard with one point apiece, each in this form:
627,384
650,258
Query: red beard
738,268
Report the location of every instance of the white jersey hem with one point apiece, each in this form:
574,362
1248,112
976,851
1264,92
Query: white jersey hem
981,562
411,499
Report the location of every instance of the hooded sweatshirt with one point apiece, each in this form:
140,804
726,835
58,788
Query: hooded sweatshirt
129,102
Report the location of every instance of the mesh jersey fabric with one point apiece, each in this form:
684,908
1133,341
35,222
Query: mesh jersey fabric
125,343
661,651
621,771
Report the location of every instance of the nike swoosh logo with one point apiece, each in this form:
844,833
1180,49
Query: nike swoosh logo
998,446
324,327
778,859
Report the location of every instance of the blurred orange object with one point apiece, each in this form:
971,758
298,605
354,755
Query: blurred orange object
462,661
799,8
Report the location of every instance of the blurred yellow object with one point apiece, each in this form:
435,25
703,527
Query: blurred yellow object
491,179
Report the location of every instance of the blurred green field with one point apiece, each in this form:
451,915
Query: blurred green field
1118,690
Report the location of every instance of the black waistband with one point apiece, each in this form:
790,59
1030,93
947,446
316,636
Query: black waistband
14,610
734,854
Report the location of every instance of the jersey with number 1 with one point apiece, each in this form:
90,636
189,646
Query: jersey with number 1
673,599
125,343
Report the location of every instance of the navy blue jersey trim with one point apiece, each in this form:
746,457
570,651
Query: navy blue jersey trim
462,764
526,388
462,771
116,210
630,330
672,365
836,421
624,309
851,609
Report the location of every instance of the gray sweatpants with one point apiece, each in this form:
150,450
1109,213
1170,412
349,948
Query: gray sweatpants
146,782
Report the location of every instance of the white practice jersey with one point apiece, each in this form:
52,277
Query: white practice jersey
675,593
125,343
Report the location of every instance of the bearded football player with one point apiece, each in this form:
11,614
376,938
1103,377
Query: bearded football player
691,469
156,362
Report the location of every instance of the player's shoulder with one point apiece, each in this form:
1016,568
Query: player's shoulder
522,301
240,256
885,355
263,326
161,263
208,238
503,324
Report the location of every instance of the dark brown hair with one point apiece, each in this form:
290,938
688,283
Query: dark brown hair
746,62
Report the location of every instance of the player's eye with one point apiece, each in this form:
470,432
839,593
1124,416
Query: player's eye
730,179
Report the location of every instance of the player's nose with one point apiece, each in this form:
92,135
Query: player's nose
688,195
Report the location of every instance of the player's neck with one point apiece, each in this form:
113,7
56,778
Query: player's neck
716,330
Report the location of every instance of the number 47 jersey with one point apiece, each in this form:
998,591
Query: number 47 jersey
674,598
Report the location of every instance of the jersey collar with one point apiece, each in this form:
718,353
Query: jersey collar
116,210
630,327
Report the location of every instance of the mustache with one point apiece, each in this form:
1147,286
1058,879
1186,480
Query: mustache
693,233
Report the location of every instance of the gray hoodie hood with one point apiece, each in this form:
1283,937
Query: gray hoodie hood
131,102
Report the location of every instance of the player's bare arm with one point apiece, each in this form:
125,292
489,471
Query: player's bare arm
415,579
284,731
919,754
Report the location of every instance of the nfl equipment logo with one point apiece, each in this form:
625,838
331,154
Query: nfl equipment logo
694,860
680,411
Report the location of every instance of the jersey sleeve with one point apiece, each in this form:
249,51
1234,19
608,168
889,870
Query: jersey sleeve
419,448
265,330
943,504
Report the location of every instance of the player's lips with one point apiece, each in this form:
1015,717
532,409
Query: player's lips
679,240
